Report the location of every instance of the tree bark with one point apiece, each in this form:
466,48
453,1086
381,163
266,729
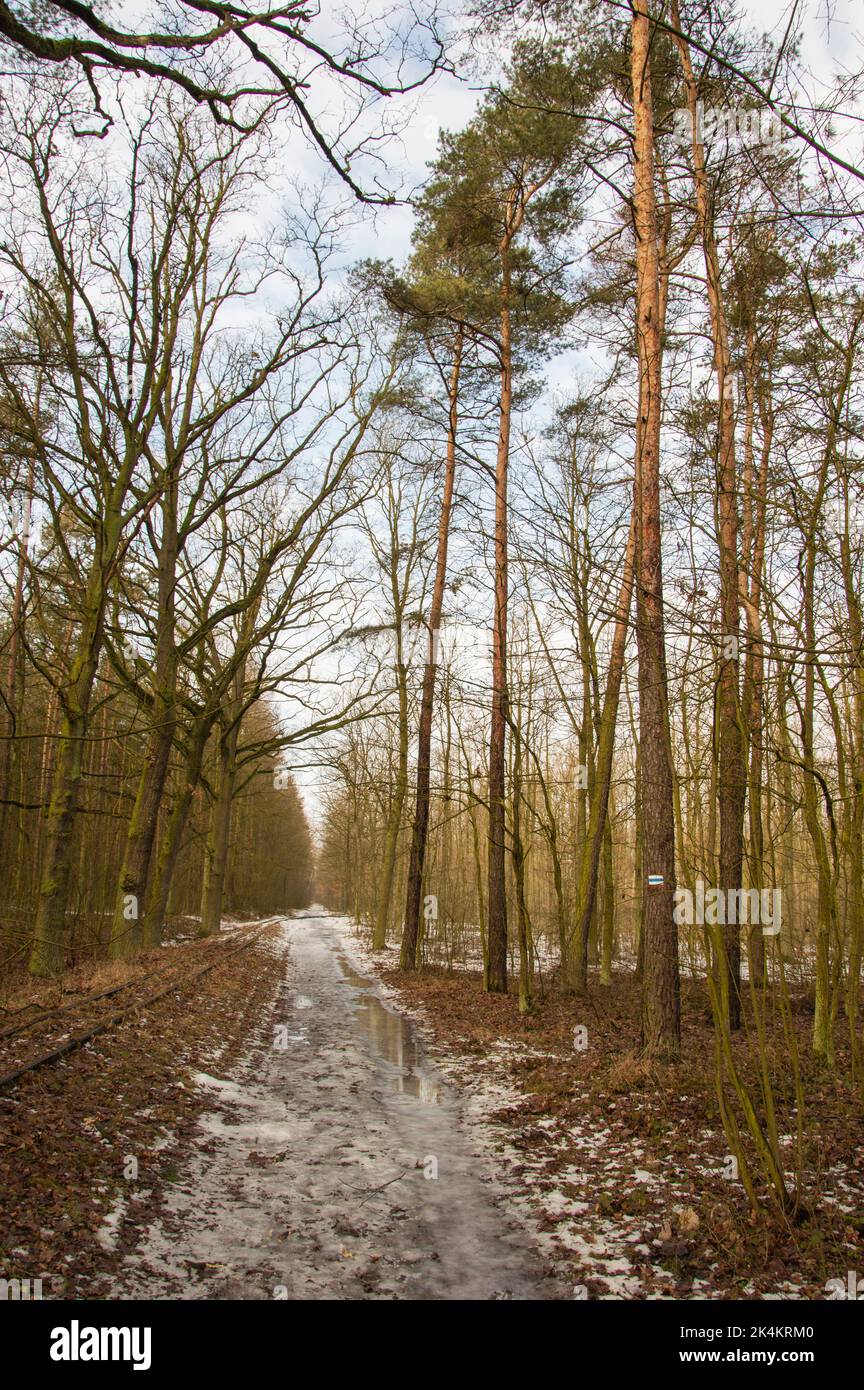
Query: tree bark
126,930
593,841
496,907
731,751
219,835
420,831
394,818
49,933
661,1006
172,836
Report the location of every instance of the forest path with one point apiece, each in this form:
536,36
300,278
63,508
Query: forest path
307,1176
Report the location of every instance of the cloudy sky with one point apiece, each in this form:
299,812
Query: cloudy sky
831,48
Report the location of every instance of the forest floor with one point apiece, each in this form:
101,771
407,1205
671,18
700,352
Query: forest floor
621,1171
90,1145
308,1123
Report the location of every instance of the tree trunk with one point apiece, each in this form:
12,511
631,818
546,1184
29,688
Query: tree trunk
126,928
661,1007
12,703
394,819
496,907
607,940
172,836
593,841
523,921
49,944
420,831
219,835
731,755
753,557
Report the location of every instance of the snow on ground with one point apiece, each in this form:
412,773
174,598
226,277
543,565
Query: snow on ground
335,1161
565,1190
609,1249
351,1154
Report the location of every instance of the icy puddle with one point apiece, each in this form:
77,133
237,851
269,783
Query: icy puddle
332,1163
394,1038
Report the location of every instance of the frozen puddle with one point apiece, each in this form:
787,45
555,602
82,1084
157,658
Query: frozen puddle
332,1163
394,1038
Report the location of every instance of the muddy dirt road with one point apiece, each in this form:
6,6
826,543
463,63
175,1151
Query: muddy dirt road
312,1174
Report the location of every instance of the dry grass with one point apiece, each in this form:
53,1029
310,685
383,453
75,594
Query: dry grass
20,991
627,1073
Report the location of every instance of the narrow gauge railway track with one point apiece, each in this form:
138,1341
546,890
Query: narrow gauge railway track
53,1039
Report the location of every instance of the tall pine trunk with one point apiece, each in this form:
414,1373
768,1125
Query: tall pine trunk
420,831
496,905
661,1005
731,746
